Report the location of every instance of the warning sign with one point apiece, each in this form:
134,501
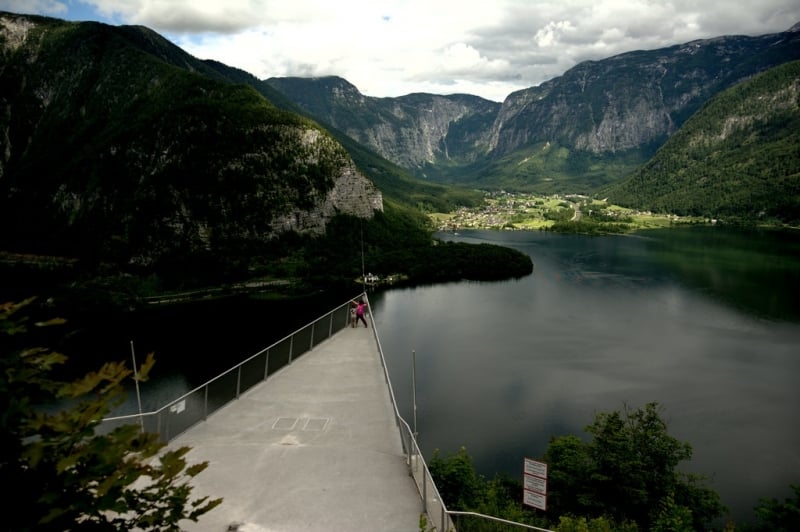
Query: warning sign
538,469
537,500
534,483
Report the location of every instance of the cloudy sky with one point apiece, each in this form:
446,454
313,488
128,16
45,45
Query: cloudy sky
489,48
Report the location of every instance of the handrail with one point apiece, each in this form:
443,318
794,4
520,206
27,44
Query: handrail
203,400
499,520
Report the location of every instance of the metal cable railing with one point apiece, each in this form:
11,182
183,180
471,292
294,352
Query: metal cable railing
195,406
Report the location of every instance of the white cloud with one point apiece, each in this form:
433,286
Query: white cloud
551,35
395,47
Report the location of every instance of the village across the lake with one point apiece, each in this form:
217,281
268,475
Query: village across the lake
522,211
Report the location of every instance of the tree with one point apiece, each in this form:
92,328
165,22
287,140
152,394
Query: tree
62,473
463,489
628,472
780,516
458,483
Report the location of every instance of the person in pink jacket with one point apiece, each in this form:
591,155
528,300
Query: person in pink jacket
361,308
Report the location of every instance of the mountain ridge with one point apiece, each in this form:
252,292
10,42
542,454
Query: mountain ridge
552,137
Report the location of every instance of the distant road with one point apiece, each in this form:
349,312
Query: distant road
577,216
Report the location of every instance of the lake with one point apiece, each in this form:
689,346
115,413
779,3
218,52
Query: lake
704,321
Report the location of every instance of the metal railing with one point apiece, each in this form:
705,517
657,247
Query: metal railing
195,406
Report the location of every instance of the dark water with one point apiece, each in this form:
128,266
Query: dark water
704,321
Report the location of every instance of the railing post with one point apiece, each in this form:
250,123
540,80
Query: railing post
291,347
238,381
330,325
311,339
266,364
424,488
406,446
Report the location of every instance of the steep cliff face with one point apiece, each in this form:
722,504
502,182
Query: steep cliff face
413,131
350,193
120,146
430,130
635,99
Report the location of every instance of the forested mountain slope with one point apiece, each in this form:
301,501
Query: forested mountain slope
738,157
119,147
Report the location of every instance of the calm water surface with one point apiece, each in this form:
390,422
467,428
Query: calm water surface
706,322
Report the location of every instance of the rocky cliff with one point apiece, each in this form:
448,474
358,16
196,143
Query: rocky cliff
635,99
416,131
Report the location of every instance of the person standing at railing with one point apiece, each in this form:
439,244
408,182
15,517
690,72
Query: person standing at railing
361,308
353,306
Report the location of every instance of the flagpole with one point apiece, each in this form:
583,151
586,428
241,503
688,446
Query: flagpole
414,388
363,277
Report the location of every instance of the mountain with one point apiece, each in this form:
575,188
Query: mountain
418,131
738,157
577,132
129,168
119,146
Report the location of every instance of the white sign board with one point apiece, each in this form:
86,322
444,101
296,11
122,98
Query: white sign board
537,469
535,484
539,485
537,500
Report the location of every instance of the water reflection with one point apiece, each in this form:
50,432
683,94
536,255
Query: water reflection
501,367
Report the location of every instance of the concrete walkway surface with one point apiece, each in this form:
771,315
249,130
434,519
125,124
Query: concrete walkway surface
313,448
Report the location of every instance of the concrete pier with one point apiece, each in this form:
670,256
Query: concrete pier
313,448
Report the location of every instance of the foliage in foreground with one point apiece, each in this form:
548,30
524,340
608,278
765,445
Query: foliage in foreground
63,474
628,472
778,516
463,489
624,479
